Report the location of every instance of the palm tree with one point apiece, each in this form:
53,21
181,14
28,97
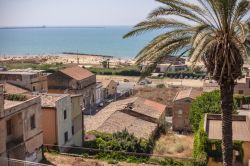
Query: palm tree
215,32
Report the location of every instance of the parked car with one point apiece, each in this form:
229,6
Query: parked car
144,82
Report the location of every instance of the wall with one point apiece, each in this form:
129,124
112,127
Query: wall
181,122
32,138
2,136
244,87
36,110
99,94
111,89
77,119
27,81
40,83
58,81
64,125
86,87
1,99
49,126
246,147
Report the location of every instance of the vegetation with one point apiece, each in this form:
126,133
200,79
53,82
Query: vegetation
160,86
208,102
46,67
215,32
204,148
120,141
126,71
16,97
186,74
172,144
241,100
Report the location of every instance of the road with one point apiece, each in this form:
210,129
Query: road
165,81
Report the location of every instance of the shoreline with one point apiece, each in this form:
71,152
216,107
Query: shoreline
66,58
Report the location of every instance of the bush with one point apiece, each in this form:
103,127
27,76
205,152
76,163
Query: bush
120,141
16,97
126,71
160,86
208,102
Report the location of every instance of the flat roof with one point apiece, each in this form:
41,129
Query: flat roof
49,100
240,125
17,73
9,103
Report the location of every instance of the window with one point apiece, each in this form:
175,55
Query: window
180,112
32,122
73,130
66,137
9,127
65,114
34,88
241,92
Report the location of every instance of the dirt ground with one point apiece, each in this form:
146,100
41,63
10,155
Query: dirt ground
174,145
161,95
62,160
166,81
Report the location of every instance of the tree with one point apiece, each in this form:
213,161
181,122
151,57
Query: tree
208,102
213,31
104,64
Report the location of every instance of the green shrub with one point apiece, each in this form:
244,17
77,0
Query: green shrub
16,97
160,86
126,71
208,102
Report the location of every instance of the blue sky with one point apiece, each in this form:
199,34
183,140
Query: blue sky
73,12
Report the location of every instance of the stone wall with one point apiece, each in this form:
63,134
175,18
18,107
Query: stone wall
181,111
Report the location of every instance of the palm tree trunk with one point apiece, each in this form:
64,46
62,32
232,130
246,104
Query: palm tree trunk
227,89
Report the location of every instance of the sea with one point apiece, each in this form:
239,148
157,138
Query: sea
87,40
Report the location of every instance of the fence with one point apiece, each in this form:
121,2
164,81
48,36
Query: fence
91,152
15,162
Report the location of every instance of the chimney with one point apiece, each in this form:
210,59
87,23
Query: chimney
1,100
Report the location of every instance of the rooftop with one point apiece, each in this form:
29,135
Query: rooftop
49,100
77,72
9,103
12,89
187,93
18,72
241,127
110,112
148,107
30,70
105,83
140,128
94,122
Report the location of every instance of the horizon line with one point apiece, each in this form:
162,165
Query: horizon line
64,26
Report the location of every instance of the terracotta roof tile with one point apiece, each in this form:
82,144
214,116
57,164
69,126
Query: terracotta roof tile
12,89
77,72
188,93
155,105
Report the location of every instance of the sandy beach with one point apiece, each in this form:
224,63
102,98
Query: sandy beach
83,59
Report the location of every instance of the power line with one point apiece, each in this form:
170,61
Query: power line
123,152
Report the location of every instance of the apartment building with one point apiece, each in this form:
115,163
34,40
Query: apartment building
75,80
62,119
32,80
20,129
